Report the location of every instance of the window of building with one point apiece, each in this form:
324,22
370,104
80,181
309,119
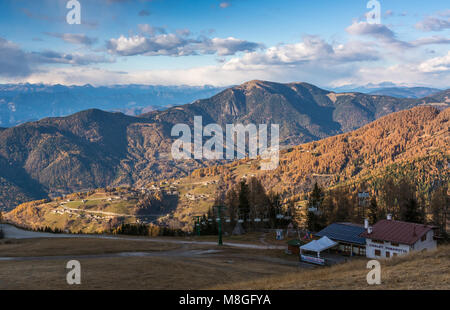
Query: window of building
388,254
394,254
347,248
424,237
395,244
377,253
362,251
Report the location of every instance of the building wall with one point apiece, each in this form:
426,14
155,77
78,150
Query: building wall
428,244
346,247
384,247
401,249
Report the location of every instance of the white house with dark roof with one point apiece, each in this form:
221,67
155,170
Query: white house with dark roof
389,238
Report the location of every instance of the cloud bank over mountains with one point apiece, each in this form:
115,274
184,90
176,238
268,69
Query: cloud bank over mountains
362,53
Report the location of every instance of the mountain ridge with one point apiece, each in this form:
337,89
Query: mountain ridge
94,148
20,103
412,142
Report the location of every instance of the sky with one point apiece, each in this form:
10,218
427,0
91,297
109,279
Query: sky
226,42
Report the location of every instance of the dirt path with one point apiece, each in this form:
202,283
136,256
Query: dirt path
172,253
12,232
183,253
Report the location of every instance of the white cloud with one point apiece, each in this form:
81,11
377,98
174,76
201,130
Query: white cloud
379,32
156,42
360,61
13,61
430,40
78,59
224,5
312,50
73,38
432,23
16,63
151,30
437,64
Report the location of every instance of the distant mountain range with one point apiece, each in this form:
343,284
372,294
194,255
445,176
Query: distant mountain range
390,89
406,92
21,103
93,148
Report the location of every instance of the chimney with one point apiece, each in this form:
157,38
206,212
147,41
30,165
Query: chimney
366,224
369,230
389,217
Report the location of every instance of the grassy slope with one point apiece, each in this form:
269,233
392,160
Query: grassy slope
82,217
231,268
427,270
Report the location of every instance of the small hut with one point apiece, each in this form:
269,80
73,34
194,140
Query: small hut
294,246
238,229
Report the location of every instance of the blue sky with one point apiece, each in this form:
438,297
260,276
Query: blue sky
170,42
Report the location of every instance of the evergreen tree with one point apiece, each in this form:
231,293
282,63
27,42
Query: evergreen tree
244,204
410,212
316,197
373,211
274,208
440,202
315,219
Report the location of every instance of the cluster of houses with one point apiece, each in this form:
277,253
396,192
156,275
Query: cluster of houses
171,190
387,238
193,197
82,214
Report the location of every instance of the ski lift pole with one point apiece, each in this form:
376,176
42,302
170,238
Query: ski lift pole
198,217
219,208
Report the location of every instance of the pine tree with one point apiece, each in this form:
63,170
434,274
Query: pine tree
440,202
274,208
373,211
316,197
315,221
244,204
410,211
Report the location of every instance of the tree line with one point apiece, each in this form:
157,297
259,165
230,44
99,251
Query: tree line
400,198
247,204
147,230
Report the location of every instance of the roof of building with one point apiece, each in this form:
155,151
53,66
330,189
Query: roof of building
397,231
345,232
320,245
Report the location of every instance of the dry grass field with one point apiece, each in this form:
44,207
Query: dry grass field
194,266
418,271
167,266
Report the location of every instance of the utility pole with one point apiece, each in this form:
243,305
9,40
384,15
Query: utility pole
219,208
